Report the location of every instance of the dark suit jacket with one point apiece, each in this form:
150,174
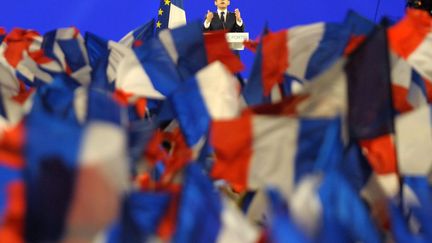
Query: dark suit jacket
230,23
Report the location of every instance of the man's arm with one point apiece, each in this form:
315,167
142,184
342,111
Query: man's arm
239,25
208,20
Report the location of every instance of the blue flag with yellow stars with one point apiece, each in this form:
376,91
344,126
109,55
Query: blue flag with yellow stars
171,14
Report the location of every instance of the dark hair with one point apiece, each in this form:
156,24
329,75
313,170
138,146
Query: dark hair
420,4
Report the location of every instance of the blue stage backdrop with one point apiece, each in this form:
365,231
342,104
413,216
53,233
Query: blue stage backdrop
114,18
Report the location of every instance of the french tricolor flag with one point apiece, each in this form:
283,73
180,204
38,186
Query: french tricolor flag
411,39
302,52
36,69
409,89
23,56
138,36
191,50
67,46
19,41
255,151
105,57
213,94
325,96
205,216
148,72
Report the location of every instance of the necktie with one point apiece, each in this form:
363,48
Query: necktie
223,17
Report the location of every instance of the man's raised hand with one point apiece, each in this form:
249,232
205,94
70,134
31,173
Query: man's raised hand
209,16
237,14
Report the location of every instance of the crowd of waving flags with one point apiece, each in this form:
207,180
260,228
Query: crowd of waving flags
153,139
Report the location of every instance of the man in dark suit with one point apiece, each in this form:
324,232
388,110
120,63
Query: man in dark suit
222,19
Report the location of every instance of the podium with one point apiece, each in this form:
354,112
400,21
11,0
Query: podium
235,40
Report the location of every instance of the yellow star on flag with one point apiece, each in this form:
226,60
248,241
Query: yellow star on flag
158,24
167,2
160,11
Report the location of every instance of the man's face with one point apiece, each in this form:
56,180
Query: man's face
222,4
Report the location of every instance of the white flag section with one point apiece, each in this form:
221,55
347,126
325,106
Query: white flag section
132,78
274,152
303,42
235,227
219,90
177,16
414,142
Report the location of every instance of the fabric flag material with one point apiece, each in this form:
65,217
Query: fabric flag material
211,95
97,48
95,105
191,50
67,46
261,80
250,155
141,215
323,97
410,38
360,29
302,52
411,217
105,57
370,111
139,36
11,113
67,173
149,72
10,86
359,25
25,59
12,203
345,217
281,226
57,99
326,208
19,41
413,142
416,196
204,216
409,89
36,69
171,14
